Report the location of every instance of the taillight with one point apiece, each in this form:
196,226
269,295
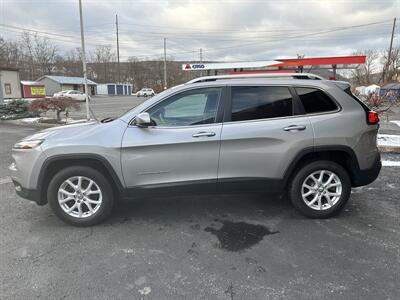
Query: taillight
373,118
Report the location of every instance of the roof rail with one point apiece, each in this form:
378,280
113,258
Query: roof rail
272,75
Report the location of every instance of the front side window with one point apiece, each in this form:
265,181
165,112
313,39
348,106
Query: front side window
315,101
260,102
187,108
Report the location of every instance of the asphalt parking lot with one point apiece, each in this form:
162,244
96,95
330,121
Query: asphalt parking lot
208,247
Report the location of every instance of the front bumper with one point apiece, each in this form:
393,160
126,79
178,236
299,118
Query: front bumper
28,194
367,176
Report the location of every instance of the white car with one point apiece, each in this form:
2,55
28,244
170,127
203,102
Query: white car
145,92
76,95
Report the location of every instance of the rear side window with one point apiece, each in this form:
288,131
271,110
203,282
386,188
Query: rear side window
315,101
260,102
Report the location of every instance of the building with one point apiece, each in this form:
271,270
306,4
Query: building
55,84
287,65
114,89
9,84
32,89
390,90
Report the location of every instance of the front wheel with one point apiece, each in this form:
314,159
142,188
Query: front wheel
80,196
320,189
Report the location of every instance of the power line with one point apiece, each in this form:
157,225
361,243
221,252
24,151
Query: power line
247,29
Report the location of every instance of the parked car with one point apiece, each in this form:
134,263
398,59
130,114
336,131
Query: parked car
145,92
310,138
76,95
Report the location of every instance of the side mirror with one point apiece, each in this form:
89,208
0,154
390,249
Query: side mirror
143,120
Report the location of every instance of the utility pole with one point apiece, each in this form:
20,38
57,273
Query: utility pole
119,70
390,52
84,61
201,60
165,63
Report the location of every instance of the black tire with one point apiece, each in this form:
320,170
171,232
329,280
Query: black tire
295,189
106,189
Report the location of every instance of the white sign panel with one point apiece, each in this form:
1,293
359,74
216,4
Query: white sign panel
228,65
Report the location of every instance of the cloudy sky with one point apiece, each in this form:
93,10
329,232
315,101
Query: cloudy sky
226,30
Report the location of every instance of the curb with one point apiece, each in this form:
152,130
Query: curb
31,125
389,149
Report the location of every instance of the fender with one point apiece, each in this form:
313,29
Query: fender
354,166
77,156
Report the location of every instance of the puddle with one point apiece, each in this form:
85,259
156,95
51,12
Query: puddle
238,236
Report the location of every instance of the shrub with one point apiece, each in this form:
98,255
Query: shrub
16,109
57,104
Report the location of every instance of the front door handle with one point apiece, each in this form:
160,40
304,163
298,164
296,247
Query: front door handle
294,128
203,133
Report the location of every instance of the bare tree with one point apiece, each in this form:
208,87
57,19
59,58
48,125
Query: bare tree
10,54
392,64
38,54
362,75
69,64
103,63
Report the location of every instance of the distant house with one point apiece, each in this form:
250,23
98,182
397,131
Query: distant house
54,84
114,89
9,84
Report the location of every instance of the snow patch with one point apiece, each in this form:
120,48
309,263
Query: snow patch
396,122
30,120
145,291
389,140
390,163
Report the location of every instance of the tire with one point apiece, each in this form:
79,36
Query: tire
101,202
338,192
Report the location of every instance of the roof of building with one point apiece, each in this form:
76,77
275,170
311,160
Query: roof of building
68,80
8,69
391,86
27,82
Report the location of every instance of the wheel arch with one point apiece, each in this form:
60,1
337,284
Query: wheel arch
53,164
342,155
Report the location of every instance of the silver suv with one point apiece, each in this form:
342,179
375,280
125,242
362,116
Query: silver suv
308,137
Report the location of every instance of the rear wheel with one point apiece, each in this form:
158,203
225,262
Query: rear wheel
80,196
320,189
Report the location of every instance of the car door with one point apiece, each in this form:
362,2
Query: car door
181,148
262,133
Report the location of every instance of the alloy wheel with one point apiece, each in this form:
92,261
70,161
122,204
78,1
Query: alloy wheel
79,197
321,190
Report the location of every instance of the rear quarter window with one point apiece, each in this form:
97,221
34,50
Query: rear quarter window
315,100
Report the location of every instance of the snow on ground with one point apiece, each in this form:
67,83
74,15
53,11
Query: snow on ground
396,122
38,119
388,140
390,163
30,120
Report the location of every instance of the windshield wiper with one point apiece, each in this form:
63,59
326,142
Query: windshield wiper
106,120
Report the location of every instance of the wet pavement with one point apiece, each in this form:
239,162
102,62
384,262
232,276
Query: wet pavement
202,247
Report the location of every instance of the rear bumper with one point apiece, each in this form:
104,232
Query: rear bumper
28,194
367,176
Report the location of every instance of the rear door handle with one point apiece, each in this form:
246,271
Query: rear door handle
203,133
294,128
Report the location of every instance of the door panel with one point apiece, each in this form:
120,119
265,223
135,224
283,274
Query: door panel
262,149
170,155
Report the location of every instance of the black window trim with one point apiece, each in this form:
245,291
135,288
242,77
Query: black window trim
338,106
220,110
228,106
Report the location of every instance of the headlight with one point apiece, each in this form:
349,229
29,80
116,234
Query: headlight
28,144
